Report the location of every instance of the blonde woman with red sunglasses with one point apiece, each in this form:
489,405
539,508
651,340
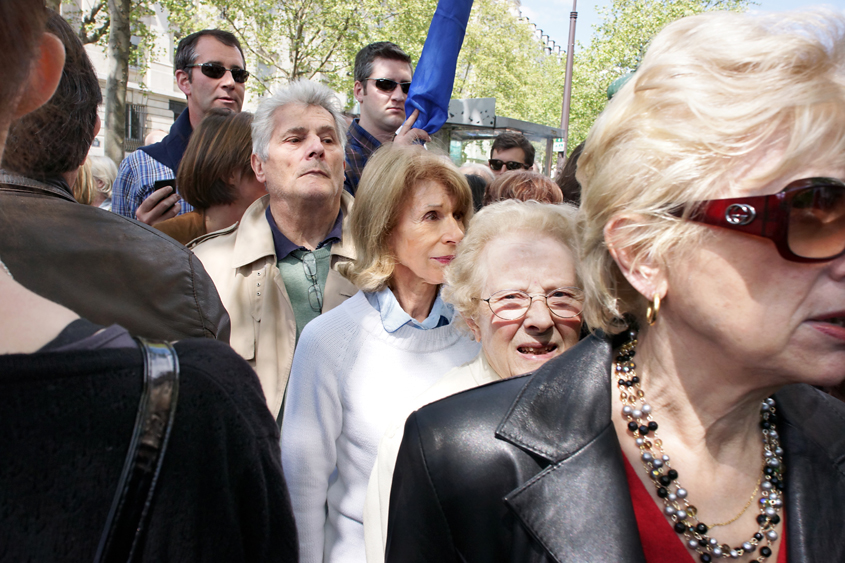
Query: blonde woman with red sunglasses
713,257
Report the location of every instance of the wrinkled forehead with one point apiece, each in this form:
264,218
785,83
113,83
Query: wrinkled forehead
522,258
303,117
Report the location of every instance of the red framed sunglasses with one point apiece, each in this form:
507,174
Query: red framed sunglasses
806,220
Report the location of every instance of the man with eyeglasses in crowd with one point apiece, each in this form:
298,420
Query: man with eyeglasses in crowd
277,269
383,75
511,151
210,71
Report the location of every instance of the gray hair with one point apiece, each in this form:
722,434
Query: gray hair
303,92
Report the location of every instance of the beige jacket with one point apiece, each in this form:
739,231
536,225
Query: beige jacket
242,262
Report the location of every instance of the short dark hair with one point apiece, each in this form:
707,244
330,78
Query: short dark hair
21,26
55,138
513,140
220,146
379,50
186,52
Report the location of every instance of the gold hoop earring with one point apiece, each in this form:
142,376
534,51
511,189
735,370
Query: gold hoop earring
652,310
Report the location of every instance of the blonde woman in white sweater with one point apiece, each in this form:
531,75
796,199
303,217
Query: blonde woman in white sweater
357,365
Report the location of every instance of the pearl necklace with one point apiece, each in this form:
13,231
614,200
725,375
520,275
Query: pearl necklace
676,504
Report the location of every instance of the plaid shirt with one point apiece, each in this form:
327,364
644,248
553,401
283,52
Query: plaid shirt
134,183
359,146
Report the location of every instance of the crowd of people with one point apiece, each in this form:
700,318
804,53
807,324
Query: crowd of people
296,336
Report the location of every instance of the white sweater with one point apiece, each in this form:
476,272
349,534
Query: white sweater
376,508
349,379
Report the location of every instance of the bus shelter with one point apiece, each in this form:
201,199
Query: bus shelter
475,119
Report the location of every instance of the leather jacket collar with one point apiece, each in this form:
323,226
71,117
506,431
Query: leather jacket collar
563,416
54,186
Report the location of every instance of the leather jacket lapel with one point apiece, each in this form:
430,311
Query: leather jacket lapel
596,520
815,475
563,416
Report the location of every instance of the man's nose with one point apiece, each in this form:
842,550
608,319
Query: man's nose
315,146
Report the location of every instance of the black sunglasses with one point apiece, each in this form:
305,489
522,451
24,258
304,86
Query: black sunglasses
388,85
806,220
497,164
216,70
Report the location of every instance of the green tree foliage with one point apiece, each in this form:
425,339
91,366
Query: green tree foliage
618,45
502,58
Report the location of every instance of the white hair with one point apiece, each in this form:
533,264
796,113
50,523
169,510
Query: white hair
303,92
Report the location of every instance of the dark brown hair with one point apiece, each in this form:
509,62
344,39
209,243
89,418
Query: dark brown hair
380,50
523,186
21,26
220,146
514,140
55,138
186,52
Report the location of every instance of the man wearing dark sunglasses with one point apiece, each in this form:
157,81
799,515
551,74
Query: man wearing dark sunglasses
210,71
383,75
511,151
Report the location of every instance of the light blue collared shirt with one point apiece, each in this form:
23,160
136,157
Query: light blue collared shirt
393,317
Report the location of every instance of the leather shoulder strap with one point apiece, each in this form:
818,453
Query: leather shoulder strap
125,525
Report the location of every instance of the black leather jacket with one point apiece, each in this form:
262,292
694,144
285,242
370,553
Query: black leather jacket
530,469
106,268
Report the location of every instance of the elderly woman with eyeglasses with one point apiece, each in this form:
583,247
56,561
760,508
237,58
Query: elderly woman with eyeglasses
359,363
518,292
713,258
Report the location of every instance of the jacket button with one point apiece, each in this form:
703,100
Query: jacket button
259,293
258,284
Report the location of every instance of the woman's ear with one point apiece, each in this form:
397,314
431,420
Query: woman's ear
44,76
639,268
473,327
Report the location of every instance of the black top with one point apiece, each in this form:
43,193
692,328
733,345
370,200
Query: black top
67,421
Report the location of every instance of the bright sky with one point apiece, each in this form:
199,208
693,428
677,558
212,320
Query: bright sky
554,15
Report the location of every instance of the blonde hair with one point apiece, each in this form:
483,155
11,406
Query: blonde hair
467,274
103,169
386,186
714,93
84,187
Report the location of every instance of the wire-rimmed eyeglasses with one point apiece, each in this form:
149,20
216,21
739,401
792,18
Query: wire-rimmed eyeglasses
315,294
513,304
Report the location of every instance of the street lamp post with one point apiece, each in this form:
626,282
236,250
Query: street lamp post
567,86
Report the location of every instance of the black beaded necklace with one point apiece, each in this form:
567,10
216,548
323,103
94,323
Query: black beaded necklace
676,504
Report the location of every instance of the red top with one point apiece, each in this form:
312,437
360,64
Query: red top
661,543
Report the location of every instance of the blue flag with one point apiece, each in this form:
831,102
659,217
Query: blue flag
434,77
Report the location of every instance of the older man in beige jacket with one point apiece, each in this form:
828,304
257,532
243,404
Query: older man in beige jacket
277,268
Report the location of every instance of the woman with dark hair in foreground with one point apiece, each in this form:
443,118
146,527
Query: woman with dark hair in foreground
69,395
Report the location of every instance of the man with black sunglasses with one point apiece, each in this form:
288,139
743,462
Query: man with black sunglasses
511,151
383,75
210,71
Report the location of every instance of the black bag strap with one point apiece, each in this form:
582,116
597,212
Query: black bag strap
125,524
